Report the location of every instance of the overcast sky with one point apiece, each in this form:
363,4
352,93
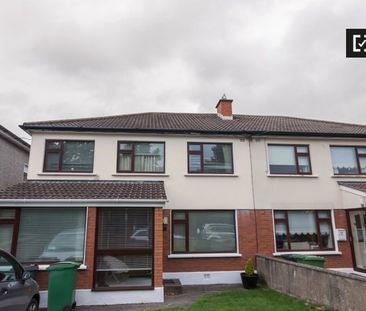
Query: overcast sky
71,59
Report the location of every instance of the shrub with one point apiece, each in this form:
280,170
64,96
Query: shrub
249,267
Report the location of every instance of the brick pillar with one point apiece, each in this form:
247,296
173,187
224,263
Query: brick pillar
85,278
158,247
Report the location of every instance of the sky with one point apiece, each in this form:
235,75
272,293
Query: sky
84,58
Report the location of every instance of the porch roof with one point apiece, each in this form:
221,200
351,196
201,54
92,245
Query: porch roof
90,191
356,187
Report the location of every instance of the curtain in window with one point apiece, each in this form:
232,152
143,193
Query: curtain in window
303,231
149,157
344,160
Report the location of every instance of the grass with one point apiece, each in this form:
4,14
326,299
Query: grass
249,300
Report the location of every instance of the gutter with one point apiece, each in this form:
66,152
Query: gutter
28,129
82,203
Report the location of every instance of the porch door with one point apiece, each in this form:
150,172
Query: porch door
124,248
357,219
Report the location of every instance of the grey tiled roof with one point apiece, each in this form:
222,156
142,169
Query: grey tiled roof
85,190
5,131
204,123
356,185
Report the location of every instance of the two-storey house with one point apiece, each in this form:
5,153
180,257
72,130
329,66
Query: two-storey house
144,197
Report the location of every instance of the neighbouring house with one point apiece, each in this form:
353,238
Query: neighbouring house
14,154
144,197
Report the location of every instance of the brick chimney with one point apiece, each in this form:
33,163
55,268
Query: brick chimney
224,109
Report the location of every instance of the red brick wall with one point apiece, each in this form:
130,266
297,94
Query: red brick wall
345,260
249,238
158,247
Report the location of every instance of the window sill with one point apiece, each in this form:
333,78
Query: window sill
349,176
308,253
140,175
44,267
292,176
66,174
204,255
211,175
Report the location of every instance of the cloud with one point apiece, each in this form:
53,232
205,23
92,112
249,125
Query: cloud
67,59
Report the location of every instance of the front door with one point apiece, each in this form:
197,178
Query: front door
357,221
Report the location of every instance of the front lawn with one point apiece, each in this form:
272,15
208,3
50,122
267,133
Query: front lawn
249,300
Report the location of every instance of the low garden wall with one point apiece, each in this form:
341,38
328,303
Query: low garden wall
336,290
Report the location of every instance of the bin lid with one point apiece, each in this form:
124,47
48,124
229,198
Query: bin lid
63,266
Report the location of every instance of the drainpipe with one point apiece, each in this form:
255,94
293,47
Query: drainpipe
253,194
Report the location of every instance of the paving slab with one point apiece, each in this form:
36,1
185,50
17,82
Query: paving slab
190,295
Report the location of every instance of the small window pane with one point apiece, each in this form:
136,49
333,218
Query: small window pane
326,238
179,215
125,146
54,145
361,150
303,231
302,149
52,161
6,236
324,214
363,165
179,236
7,213
217,158
304,165
211,231
194,163
344,160
149,157
125,162
194,147
282,160
280,215
123,271
78,156
281,237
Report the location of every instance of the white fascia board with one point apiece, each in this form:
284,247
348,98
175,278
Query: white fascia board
353,191
81,203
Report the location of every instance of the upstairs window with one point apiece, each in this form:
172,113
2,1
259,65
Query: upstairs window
289,159
141,157
69,156
348,160
210,158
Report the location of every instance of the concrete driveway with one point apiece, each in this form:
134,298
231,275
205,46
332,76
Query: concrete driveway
190,295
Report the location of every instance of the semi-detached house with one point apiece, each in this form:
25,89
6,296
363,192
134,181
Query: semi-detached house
143,197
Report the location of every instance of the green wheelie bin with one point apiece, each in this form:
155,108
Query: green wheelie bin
315,261
61,286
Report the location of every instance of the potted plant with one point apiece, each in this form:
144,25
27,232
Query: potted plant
249,278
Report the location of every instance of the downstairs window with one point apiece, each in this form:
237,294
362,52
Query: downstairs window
303,230
43,235
203,232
